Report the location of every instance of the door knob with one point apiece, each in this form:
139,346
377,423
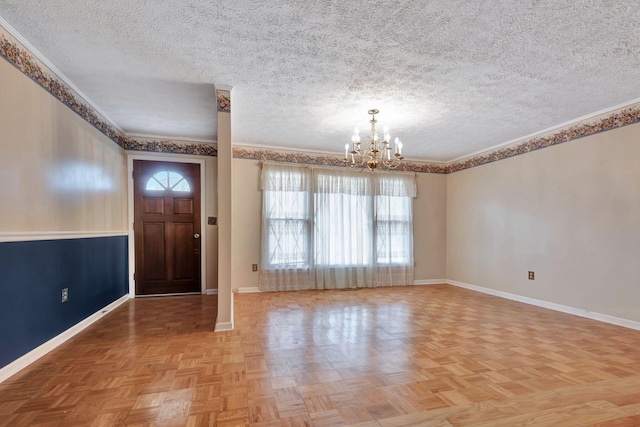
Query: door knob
196,236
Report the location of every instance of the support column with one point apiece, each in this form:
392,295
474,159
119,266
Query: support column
224,322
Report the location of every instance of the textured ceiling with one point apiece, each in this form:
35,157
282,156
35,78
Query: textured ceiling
449,77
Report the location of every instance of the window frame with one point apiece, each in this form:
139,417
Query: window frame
168,187
305,221
310,233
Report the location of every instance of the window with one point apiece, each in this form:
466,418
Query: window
327,219
287,225
393,229
286,217
343,219
168,180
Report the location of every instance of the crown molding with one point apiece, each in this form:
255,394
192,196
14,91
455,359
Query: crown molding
596,124
223,87
23,60
26,58
558,127
55,71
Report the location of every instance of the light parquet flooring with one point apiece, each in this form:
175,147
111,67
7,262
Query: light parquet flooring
412,356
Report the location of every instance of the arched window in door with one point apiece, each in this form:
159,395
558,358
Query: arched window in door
168,180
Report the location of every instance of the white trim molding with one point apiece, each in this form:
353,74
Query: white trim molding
430,282
550,305
175,158
247,290
211,292
35,354
225,326
542,132
254,289
35,52
27,236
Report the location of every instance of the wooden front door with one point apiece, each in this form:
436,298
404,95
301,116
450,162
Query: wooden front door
166,227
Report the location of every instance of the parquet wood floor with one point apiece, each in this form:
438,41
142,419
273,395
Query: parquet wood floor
413,356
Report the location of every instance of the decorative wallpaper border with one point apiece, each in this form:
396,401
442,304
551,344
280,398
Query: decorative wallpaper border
24,61
612,121
224,100
254,153
29,65
627,116
171,146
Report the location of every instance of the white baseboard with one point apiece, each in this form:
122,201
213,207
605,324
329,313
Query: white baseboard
24,361
223,326
226,326
631,324
430,282
254,289
211,292
248,290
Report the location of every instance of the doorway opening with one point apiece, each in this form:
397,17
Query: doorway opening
167,227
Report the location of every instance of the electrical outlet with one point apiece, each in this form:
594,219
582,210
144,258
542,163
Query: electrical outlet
254,267
65,294
532,275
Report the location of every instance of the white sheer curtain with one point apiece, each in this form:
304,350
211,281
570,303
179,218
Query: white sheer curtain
335,228
343,229
394,195
285,228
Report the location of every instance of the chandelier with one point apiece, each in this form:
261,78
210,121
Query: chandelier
375,152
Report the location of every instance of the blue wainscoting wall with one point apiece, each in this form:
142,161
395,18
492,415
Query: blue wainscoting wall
32,275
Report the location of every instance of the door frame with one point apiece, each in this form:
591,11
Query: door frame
162,157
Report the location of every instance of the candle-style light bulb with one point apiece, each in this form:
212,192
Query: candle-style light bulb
376,148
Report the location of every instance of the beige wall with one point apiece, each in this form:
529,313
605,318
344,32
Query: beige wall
429,224
571,213
247,214
58,173
430,227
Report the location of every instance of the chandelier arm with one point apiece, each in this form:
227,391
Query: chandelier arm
376,150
